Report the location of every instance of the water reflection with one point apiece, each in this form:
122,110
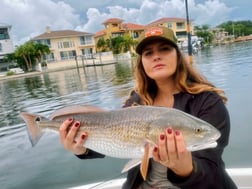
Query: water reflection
47,92
123,74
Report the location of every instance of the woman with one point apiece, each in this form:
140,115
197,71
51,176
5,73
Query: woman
164,78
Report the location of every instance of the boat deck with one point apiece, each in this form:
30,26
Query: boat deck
241,176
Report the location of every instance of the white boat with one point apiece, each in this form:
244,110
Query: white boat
241,176
17,70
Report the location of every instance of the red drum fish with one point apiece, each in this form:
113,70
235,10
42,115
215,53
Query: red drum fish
128,132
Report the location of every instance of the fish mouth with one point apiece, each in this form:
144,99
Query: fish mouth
197,147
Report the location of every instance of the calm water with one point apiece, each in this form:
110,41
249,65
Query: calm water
49,166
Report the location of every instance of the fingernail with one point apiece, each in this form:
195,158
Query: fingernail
169,131
162,137
77,124
177,133
83,137
155,149
70,119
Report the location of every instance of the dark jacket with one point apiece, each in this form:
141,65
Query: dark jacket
209,169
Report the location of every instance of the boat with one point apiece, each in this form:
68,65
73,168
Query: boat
17,70
241,176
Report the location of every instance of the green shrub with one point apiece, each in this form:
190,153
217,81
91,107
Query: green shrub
43,64
9,73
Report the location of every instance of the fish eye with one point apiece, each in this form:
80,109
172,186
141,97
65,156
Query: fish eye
198,130
37,119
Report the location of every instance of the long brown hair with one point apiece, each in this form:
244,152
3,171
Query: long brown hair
187,78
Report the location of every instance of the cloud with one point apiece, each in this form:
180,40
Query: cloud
30,18
211,12
94,21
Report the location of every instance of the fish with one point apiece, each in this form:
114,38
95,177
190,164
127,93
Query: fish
126,133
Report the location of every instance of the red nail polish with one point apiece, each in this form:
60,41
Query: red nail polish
83,137
169,131
177,133
77,124
155,149
70,119
162,137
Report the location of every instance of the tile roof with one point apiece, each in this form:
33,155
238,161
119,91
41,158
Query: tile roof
132,26
162,20
113,21
100,33
60,34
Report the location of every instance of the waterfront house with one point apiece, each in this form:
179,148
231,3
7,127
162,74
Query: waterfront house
178,25
221,36
114,27
6,46
67,44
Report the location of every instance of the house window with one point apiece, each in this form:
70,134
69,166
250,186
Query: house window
65,55
85,40
49,57
87,53
182,34
135,35
45,42
65,44
4,34
180,25
169,24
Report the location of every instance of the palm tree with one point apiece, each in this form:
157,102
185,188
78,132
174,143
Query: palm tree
101,45
26,52
40,51
29,52
128,43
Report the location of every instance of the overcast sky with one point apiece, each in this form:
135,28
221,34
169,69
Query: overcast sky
29,18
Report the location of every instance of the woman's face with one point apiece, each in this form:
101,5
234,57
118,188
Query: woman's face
159,60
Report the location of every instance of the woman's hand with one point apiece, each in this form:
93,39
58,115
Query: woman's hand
67,137
172,153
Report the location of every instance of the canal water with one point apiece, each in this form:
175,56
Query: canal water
49,166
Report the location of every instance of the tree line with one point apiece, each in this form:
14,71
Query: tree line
237,28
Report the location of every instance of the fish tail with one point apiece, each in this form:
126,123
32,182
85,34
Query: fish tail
34,131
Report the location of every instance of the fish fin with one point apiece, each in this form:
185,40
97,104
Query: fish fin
34,132
75,109
150,141
130,164
145,161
